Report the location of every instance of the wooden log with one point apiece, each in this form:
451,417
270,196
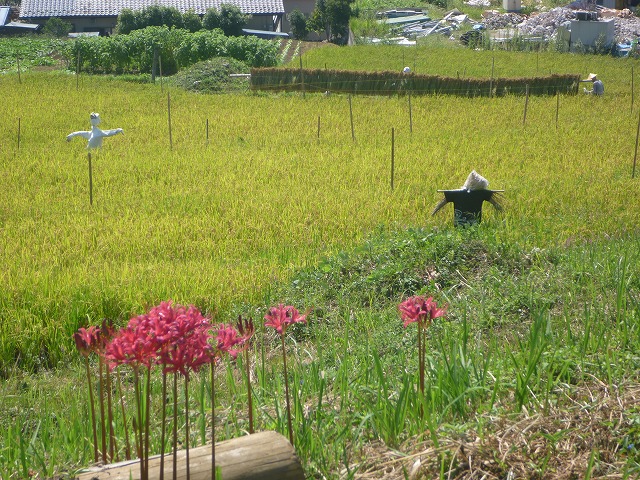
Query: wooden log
263,455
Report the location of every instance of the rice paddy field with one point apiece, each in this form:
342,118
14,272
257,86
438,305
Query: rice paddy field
218,201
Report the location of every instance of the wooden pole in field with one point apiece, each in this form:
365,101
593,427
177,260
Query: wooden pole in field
169,117
526,103
392,156
318,126
160,67
631,88
557,107
262,455
493,63
90,180
353,134
301,75
410,115
78,71
18,62
635,155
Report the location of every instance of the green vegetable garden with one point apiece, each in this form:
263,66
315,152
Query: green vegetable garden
236,203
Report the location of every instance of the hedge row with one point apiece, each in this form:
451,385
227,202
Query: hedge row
389,83
133,53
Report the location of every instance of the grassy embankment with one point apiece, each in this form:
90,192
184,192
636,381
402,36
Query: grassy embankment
543,305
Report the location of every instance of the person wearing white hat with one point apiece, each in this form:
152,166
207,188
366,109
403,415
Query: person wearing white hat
598,87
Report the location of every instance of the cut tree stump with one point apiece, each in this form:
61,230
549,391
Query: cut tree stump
264,455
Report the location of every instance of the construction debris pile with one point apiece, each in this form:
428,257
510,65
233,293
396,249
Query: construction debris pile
411,24
546,24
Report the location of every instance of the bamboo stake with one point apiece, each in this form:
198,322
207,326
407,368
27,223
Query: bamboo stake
410,115
635,156
493,63
392,155
353,135
526,103
632,88
301,75
169,117
207,130
90,186
318,126
557,107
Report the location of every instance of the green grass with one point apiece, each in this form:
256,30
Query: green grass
543,303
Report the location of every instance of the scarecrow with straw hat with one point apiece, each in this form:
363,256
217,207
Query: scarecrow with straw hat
598,87
468,199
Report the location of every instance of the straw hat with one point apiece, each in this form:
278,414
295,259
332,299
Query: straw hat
591,77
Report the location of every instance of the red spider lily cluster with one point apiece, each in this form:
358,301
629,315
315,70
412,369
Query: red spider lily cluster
421,310
178,340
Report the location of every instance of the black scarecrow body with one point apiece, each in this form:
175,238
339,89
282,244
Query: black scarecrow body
467,200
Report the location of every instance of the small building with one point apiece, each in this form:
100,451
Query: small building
7,27
101,15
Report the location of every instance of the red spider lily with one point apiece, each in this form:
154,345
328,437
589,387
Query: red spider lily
185,346
421,310
282,316
87,340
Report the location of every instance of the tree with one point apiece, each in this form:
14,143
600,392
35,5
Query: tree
56,27
127,22
192,21
332,17
298,23
232,20
211,19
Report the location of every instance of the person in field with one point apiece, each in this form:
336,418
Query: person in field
598,86
95,135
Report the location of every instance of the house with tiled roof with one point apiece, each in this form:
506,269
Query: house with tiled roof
101,15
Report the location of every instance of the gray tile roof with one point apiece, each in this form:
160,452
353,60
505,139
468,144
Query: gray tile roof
108,8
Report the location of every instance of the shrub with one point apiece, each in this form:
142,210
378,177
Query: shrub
229,19
298,23
211,76
56,27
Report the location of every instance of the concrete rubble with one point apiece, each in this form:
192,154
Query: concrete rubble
543,24
546,24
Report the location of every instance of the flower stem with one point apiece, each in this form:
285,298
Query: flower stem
124,417
186,419
175,426
93,413
164,420
249,399
112,435
213,419
286,390
103,433
147,421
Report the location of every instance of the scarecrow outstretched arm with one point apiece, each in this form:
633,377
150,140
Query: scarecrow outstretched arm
111,133
84,134
496,200
441,204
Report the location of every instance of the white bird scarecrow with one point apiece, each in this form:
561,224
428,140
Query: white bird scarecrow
95,135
